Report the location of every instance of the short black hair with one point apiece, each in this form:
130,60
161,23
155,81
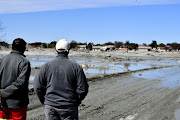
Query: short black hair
19,44
65,52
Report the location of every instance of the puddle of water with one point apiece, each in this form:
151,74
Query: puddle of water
39,60
177,114
101,67
169,77
138,66
31,79
108,71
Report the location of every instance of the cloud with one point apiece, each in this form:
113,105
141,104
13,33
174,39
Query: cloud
23,6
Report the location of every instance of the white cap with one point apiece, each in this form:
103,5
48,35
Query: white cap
62,45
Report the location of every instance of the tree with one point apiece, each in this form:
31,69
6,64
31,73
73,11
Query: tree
127,45
3,43
82,43
44,45
36,44
118,44
134,46
52,44
144,44
109,43
73,44
153,44
89,46
174,45
161,45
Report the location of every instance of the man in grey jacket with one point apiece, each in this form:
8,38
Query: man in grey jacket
14,79
61,85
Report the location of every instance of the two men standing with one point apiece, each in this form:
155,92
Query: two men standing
60,84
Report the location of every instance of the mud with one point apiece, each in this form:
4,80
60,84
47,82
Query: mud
128,96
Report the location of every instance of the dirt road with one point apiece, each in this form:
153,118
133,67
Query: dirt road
145,95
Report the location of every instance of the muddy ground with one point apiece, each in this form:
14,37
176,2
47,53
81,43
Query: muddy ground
144,95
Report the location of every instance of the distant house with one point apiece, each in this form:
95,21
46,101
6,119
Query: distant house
111,47
96,48
81,47
167,48
162,48
123,48
103,48
144,48
170,48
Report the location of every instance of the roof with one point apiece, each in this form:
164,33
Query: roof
144,47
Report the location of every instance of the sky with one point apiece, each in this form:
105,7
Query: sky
96,21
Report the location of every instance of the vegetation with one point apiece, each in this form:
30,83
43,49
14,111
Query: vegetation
175,46
82,43
36,44
127,44
44,45
3,43
109,43
161,45
118,44
89,46
52,44
73,44
144,44
153,44
134,46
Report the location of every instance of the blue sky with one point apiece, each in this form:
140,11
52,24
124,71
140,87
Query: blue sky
138,21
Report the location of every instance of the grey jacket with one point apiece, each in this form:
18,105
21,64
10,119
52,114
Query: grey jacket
14,80
61,83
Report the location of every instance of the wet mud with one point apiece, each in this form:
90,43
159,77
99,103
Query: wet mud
126,96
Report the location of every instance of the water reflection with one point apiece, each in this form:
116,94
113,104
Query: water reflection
95,67
177,114
104,67
168,77
126,65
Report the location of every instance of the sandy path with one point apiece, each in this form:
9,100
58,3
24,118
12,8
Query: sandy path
126,97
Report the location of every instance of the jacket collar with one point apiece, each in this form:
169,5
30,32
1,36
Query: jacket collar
61,55
15,51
